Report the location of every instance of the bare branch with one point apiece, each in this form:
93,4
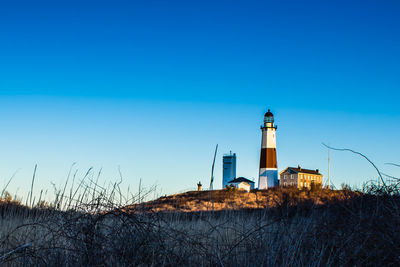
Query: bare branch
14,250
393,164
362,155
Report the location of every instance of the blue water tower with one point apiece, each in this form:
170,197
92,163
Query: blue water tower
228,168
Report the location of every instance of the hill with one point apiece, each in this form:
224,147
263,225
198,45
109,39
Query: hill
194,201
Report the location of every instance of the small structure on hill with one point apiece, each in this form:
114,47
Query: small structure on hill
242,184
300,177
199,186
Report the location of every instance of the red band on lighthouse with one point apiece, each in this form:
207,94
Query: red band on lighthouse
268,158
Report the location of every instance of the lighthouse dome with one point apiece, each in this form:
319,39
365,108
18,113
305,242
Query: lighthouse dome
268,119
268,114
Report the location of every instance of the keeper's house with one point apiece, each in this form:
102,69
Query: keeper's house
300,177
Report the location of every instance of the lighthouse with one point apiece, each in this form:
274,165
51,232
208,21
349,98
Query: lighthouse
268,175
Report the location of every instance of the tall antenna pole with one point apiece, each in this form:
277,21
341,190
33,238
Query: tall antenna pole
212,169
212,179
329,173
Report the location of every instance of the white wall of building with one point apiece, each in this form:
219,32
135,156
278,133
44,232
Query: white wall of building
242,186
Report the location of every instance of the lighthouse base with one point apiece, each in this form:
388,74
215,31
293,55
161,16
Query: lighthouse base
268,178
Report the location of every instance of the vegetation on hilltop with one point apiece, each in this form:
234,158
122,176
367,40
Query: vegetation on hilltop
233,199
313,228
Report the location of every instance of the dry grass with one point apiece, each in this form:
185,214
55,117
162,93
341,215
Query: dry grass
236,199
277,227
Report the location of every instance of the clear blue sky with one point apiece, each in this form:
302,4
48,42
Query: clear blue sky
152,86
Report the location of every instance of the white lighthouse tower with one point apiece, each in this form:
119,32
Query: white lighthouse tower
268,176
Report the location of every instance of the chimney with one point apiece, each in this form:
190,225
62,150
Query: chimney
298,167
317,170
199,186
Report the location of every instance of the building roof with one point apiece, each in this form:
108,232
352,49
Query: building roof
301,170
268,114
240,179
